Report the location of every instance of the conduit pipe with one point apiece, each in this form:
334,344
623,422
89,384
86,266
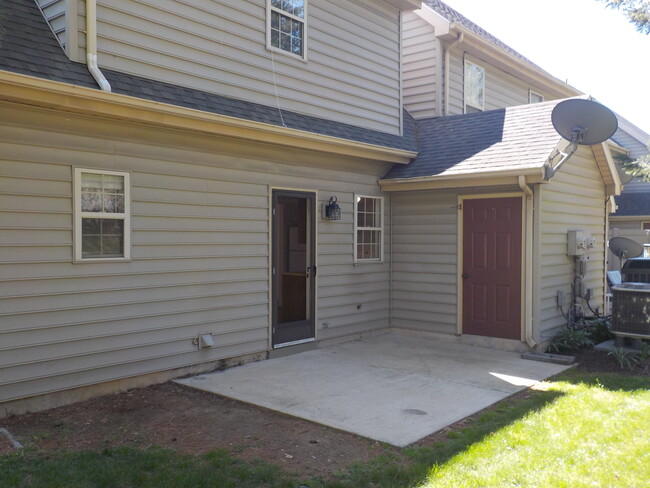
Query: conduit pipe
528,260
91,46
458,40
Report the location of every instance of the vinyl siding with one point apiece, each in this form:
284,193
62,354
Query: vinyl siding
421,60
573,200
501,89
636,147
424,261
200,252
54,12
220,47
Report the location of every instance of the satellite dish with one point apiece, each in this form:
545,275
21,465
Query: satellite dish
583,121
625,248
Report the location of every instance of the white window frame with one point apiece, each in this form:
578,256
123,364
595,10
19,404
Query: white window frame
269,9
532,93
79,215
480,107
357,228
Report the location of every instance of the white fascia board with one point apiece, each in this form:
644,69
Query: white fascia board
441,26
405,4
632,130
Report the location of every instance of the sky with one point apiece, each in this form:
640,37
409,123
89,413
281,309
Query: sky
593,48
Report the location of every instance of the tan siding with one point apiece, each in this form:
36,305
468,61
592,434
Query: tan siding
220,47
424,261
200,252
419,64
501,89
573,200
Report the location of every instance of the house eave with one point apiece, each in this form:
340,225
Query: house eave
28,90
533,175
405,4
487,52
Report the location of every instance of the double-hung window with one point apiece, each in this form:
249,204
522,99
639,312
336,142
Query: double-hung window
368,228
102,215
534,97
286,28
474,88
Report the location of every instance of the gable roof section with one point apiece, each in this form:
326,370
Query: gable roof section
456,17
515,139
28,47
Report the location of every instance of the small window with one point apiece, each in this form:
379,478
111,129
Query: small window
369,229
102,215
534,97
286,27
645,225
474,88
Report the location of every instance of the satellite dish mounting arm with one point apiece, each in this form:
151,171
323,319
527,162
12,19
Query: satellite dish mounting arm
577,137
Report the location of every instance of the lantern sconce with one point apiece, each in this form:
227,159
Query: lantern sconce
332,210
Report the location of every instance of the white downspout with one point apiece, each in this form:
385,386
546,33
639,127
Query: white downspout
458,40
91,46
528,285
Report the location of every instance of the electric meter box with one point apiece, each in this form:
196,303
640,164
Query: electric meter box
578,242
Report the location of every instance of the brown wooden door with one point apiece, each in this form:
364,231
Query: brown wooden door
293,267
492,272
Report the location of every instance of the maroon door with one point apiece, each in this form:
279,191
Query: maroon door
492,238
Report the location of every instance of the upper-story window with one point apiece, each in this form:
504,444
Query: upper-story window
474,87
287,27
534,97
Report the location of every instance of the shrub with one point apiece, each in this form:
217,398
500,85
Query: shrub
569,340
601,332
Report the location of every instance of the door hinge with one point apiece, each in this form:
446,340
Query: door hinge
273,271
274,212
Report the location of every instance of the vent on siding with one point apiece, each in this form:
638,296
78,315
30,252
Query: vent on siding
54,13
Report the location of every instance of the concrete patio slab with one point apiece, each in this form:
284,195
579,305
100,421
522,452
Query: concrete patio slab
391,388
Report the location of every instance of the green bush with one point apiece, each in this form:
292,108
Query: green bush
600,332
569,340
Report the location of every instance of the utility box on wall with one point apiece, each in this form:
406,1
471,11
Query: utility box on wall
579,242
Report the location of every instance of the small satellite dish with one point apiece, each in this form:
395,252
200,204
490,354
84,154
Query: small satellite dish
584,122
625,248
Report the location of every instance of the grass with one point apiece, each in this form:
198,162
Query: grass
583,430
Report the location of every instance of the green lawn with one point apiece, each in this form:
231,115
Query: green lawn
582,431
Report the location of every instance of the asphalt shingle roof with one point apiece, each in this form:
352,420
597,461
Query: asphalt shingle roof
28,46
454,16
505,139
632,203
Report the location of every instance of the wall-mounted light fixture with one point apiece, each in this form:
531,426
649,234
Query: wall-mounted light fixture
332,210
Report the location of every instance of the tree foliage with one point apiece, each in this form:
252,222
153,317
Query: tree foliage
639,168
636,11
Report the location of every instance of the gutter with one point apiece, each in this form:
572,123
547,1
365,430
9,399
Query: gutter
459,38
91,46
38,92
528,259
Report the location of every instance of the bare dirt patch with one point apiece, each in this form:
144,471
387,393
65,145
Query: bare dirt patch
191,421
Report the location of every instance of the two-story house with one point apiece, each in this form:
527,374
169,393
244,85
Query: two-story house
632,216
192,185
